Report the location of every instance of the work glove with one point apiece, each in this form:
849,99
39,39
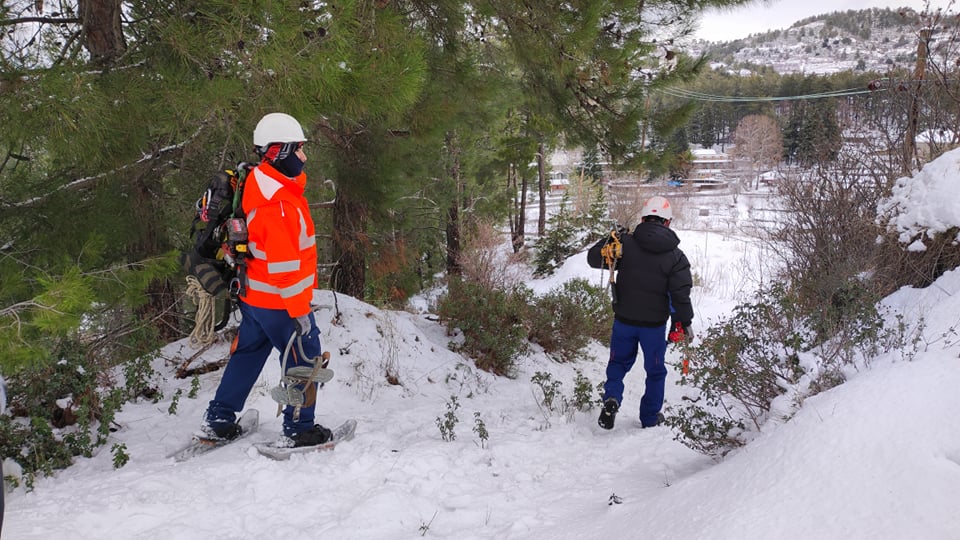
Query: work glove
303,324
680,332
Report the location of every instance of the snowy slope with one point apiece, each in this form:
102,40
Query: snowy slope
878,457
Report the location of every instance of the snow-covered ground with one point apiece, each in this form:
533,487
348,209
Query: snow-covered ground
876,457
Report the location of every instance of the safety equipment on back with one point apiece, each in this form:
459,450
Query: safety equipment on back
221,229
658,207
215,263
611,252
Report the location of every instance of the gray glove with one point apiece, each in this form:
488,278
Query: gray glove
303,324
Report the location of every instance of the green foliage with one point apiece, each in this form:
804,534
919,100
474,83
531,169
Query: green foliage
71,404
591,165
175,402
194,386
812,134
566,318
497,324
744,363
448,422
574,227
594,222
120,455
583,396
712,122
739,367
558,243
480,428
550,396
706,432
492,322
105,157
34,446
138,375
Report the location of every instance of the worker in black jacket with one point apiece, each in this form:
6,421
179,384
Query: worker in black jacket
652,287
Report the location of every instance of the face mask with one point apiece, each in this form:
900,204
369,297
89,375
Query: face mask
290,165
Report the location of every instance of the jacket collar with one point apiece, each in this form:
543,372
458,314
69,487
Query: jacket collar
295,186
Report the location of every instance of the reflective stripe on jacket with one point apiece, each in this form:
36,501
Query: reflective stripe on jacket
282,266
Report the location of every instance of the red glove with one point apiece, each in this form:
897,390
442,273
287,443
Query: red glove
678,333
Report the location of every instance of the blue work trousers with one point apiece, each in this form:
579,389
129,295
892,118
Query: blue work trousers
625,341
262,330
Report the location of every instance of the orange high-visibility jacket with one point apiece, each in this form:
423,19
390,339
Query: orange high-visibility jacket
282,266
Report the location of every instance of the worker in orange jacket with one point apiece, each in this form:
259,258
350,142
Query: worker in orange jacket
281,273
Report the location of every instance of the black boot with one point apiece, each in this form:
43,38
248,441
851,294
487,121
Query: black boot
608,414
312,437
225,431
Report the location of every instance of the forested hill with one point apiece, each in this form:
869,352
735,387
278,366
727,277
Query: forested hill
875,39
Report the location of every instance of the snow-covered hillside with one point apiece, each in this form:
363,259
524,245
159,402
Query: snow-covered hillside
873,40
878,457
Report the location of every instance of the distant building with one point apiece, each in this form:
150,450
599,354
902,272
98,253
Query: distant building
558,182
710,167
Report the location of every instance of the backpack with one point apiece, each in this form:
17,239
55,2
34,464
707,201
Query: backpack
219,204
219,231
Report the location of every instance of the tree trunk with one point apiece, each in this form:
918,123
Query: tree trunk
350,245
102,30
910,138
453,211
161,306
542,191
520,231
512,186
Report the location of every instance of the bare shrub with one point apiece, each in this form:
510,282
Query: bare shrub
828,242
485,261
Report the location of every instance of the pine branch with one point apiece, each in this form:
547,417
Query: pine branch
41,20
83,182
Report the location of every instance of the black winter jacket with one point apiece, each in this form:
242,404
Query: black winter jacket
653,275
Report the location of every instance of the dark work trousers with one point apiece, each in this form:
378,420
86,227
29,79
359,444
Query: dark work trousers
625,341
261,331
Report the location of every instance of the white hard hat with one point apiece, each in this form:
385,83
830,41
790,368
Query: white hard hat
277,128
657,206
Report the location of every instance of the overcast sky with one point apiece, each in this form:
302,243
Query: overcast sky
765,15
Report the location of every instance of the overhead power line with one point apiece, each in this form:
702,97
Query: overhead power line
700,96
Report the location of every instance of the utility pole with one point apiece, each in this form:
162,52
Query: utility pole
910,139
